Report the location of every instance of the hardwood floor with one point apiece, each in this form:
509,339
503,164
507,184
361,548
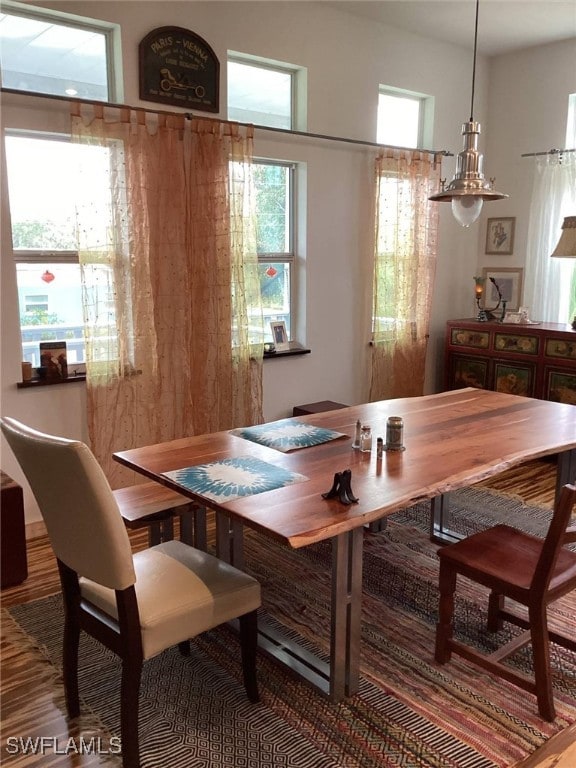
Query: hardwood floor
32,702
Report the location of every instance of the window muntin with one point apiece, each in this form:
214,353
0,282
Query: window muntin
260,93
44,52
401,117
274,183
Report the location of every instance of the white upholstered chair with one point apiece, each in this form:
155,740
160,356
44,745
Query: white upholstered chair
137,605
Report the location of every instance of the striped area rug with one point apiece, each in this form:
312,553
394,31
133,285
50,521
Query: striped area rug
409,710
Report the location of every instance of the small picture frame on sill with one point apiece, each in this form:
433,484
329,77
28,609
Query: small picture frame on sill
279,335
500,236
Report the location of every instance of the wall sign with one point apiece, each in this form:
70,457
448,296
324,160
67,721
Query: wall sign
178,67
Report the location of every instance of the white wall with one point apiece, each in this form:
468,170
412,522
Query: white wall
347,58
528,110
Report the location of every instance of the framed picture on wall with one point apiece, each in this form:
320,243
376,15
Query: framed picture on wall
509,282
500,236
279,335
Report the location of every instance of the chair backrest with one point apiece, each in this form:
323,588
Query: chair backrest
559,534
77,504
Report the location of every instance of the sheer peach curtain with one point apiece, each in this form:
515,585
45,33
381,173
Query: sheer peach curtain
170,279
406,226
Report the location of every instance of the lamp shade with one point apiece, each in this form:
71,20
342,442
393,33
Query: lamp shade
566,247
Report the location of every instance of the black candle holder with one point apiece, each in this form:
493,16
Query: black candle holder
484,314
342,488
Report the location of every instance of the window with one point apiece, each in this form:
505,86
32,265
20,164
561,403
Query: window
403,118
44,239
274,184
48,52
261,93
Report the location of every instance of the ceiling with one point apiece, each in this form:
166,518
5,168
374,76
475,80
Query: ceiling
503,25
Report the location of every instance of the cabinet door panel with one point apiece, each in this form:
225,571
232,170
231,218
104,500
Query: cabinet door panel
560,386
514,378
468,372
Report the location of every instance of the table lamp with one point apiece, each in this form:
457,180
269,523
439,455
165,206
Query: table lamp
566,246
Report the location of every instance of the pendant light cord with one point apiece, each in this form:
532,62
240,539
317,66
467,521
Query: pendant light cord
474,64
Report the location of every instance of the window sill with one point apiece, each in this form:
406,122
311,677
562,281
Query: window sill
50,382
295,349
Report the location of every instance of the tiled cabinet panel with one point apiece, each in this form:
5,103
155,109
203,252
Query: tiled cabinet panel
530,360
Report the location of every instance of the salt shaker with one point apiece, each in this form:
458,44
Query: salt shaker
365,439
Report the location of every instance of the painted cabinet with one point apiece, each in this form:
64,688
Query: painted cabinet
536,360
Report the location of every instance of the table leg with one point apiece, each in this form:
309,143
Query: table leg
439,533
346,614
200,532
566,470
154,534
229,540
167,527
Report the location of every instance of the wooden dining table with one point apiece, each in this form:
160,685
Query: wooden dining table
451,439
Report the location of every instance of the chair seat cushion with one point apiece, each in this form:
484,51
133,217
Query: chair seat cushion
181,592
506,554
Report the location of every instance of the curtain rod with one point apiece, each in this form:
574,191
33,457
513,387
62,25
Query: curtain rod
550,152
190,116
327,137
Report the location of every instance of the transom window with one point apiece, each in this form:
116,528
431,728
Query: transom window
261,93
45,51
402,118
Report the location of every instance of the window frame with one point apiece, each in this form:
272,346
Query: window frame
109,30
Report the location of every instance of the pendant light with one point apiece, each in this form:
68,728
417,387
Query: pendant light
468,189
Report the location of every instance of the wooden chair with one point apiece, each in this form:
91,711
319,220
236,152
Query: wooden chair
534,572
136,605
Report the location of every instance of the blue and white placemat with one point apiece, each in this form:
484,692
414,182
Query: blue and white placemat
229,479
287,435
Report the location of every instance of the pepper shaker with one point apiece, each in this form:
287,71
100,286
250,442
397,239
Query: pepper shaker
356,443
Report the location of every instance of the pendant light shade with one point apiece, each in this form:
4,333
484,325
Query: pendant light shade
469,189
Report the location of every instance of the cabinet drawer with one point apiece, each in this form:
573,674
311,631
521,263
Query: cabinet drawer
516,342
561,348
463,337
